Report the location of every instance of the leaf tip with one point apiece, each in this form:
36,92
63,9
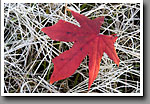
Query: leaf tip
43,29
68,10
51,82
118,64
118,61
88,88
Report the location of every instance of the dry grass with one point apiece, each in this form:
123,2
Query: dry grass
28,51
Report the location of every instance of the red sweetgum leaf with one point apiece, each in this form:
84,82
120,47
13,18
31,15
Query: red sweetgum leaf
87,41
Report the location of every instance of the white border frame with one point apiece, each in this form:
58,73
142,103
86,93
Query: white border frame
72,94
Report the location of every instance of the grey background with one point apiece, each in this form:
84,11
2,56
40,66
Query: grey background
100,100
